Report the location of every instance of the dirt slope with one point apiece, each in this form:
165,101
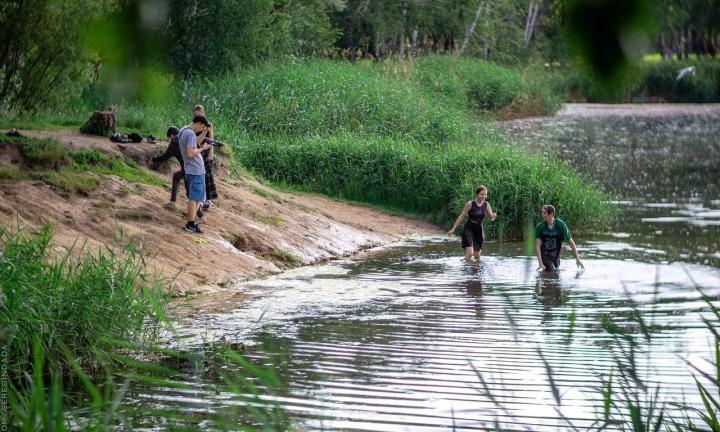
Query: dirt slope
252,231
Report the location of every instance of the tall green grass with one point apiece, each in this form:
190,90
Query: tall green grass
484,86
324,97
651,82
429,182
79,328
296,99
60,312
68,302
105,402
428,100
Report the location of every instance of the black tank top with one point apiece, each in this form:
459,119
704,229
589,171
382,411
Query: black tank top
477,212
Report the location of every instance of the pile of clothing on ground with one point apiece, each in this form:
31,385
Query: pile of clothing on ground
133,137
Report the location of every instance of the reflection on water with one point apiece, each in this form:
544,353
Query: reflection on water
385,344
664,167
413,338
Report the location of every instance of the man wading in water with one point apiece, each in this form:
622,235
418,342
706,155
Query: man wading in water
549,236
473,234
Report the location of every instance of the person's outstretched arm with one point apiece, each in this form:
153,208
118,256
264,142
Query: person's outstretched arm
541,266
165,156
491,213
575,253
459,219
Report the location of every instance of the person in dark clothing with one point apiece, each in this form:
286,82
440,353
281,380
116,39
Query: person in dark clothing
549,237
473,234
173,151
208,158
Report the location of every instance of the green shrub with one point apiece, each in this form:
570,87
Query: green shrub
487,86
542,93
431,183
493,87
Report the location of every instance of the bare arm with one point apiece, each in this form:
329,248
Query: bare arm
539,255
165,156
459,219
491,213
192,152
575,253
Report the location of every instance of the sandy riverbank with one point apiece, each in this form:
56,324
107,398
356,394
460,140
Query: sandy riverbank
252,231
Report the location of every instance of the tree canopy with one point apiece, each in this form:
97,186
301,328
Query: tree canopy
48,47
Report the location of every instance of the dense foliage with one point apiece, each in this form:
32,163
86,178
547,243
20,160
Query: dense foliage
430,182
123,44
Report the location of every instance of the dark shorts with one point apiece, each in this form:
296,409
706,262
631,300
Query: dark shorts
551,264
196,185
472,235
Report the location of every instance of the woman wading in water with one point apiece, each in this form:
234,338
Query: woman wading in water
472,233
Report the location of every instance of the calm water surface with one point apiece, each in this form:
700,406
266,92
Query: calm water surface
412,338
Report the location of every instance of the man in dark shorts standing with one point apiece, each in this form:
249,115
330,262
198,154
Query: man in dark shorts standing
549,236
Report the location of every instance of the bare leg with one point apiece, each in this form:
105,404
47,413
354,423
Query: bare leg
192,207
469,253
476,254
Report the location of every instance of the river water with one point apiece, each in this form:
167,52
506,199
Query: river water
410,337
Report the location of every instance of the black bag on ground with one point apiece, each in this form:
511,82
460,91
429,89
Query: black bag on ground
135,137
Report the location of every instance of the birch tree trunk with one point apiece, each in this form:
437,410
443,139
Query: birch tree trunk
531,6
413,43
471,29
531,23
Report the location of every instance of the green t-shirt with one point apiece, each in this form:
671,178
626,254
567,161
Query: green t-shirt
552,238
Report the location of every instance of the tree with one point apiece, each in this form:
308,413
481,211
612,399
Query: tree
218,35
214,36
42,49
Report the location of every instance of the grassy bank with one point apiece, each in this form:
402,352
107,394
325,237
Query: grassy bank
70,172
428,182
654,81
405,135
484,87
79,326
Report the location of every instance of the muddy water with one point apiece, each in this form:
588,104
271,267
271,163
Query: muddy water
409,337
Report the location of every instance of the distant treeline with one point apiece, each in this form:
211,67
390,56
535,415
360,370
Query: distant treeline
51,48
